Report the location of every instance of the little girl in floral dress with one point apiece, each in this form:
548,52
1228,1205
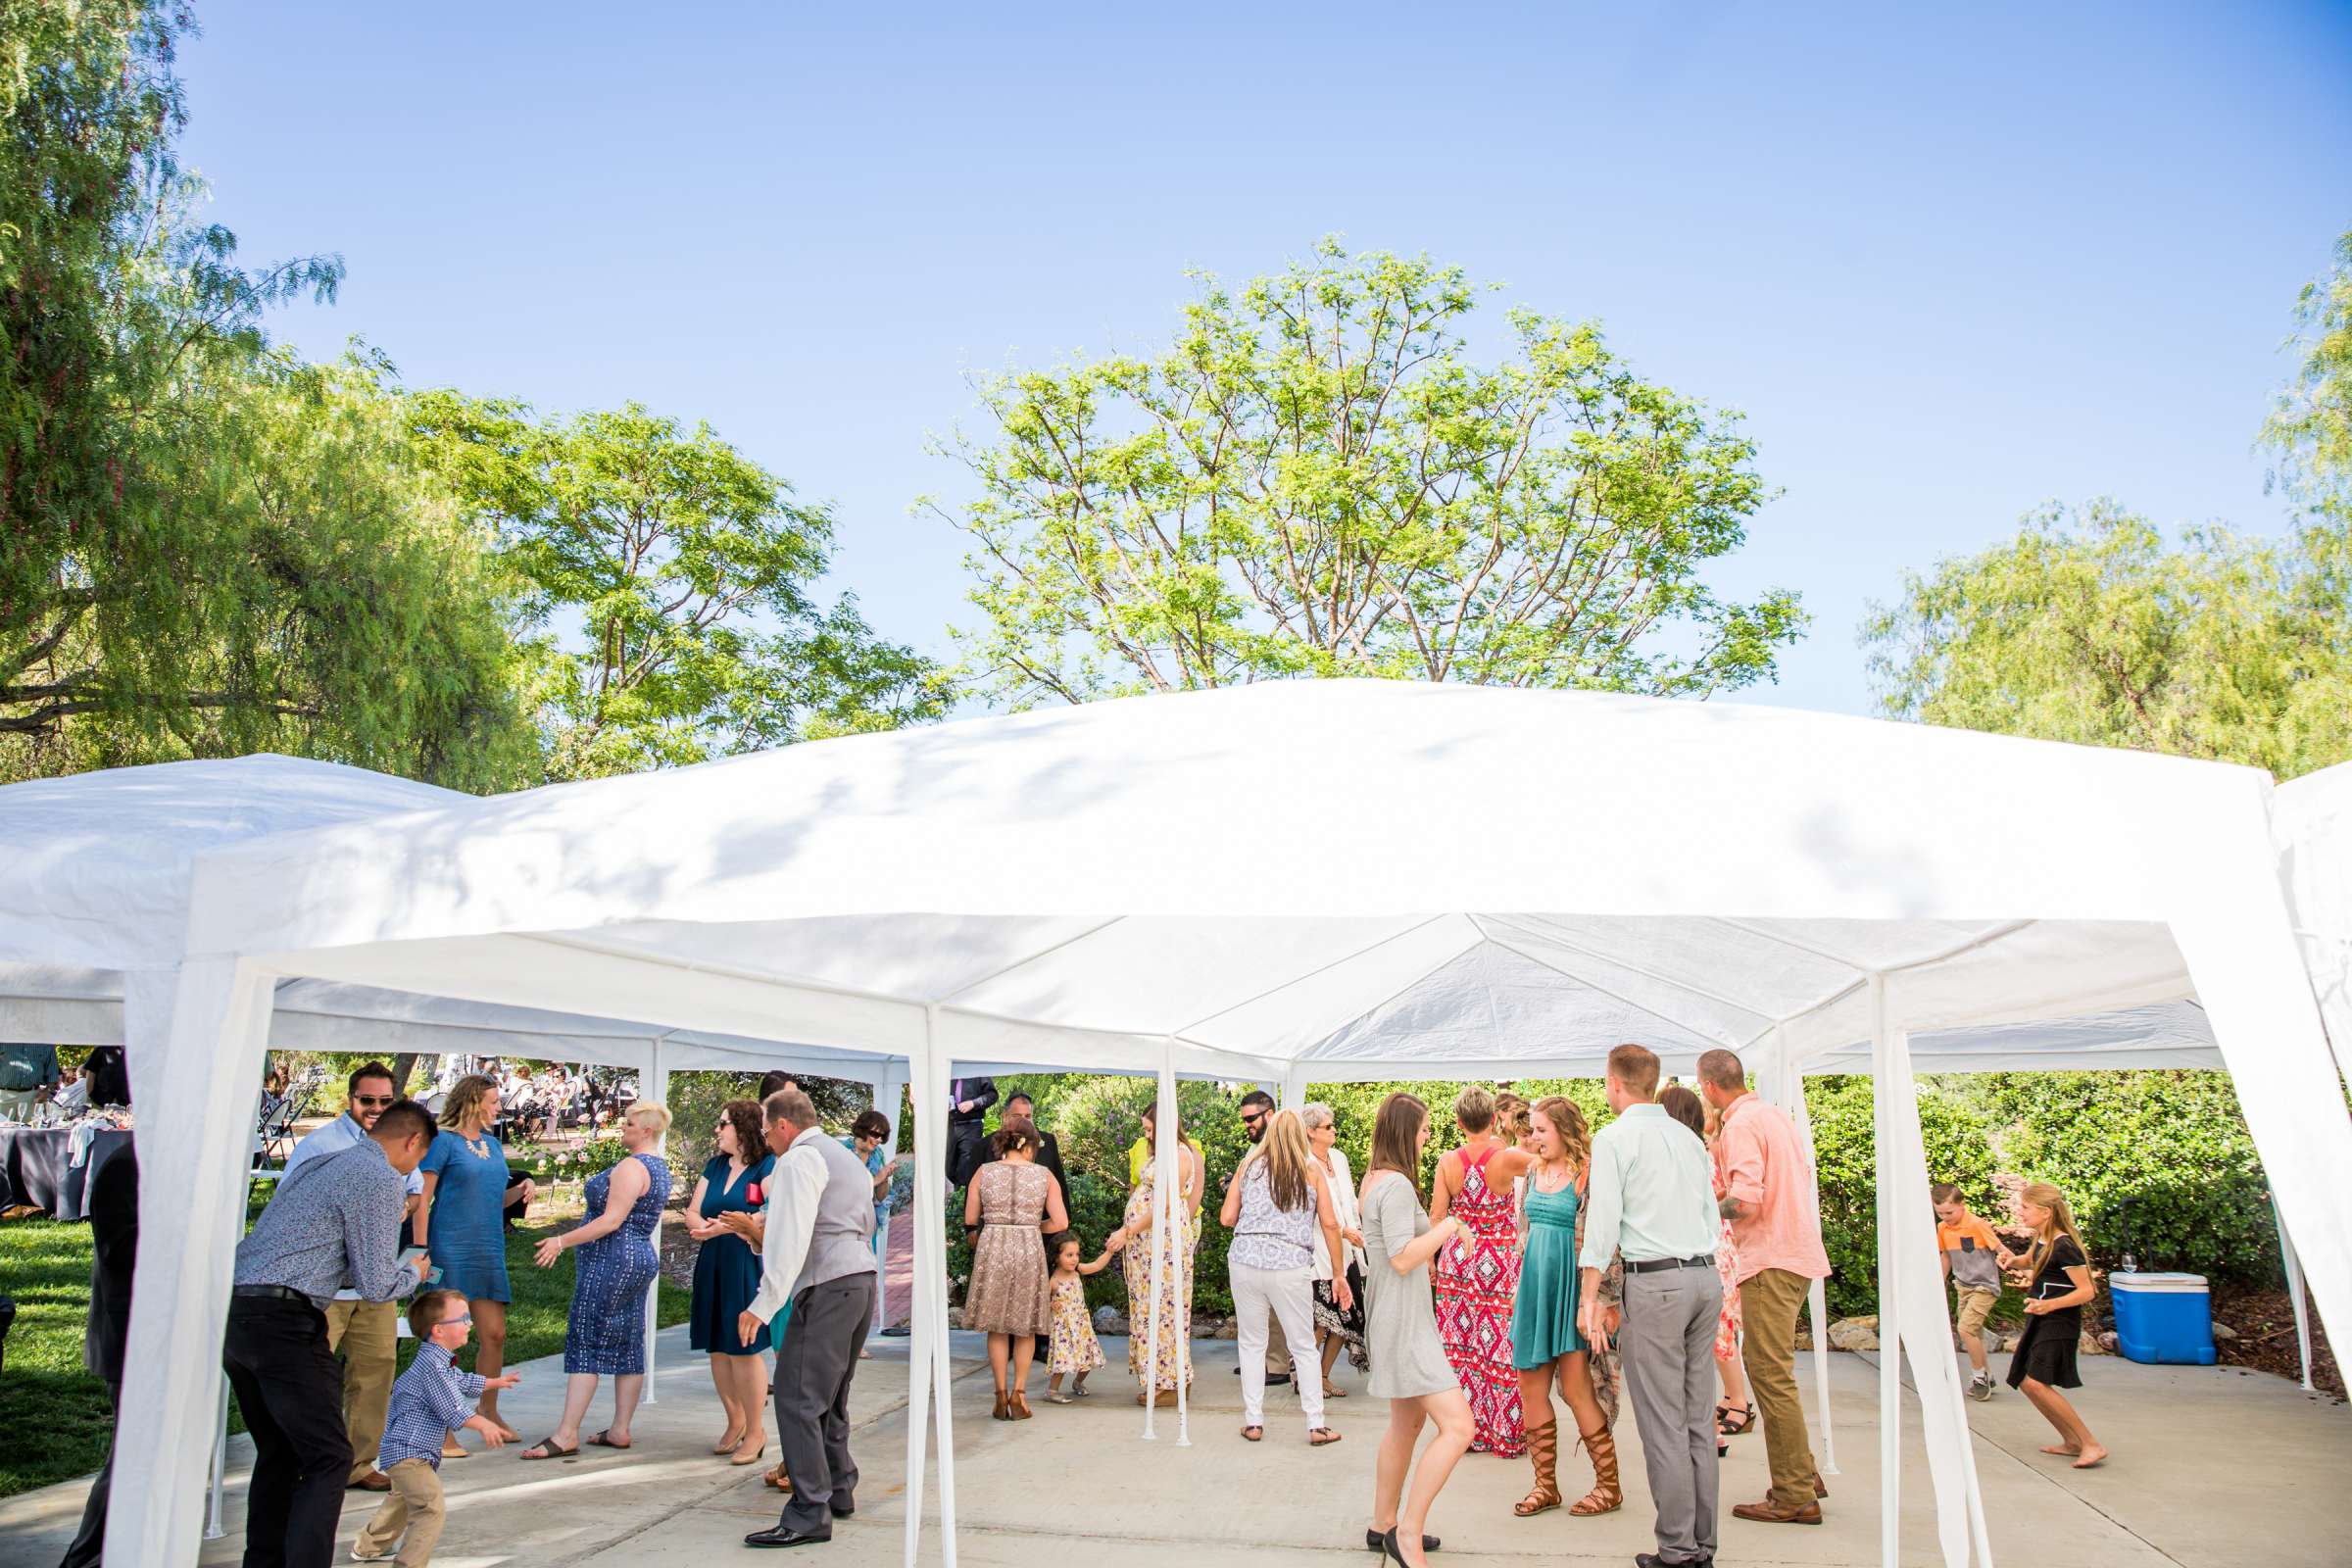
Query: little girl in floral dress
1074,1348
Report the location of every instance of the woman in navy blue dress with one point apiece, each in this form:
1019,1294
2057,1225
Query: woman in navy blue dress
726,1276
462,1222
605,1333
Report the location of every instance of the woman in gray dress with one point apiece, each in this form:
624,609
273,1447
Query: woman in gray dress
1409,1368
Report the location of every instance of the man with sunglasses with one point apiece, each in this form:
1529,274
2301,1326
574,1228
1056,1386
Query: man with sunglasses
368,1333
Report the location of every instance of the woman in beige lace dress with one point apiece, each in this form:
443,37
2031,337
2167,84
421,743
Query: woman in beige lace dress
1011,1202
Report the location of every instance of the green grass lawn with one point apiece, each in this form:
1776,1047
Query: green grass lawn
54,1420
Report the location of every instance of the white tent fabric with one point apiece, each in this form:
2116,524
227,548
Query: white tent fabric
2312,822
1249,882
94,921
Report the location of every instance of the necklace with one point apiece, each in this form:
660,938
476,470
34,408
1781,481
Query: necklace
480,1146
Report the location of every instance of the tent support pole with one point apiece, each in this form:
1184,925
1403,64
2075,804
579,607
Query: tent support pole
2294,1291
215,1517
887,1087
1891,1387
656,1090
1167,1137
1790,1084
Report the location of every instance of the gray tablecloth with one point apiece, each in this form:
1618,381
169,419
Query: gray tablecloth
37,1168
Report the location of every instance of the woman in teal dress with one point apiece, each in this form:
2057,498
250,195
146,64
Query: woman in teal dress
1546,1346
462,1225
726,1276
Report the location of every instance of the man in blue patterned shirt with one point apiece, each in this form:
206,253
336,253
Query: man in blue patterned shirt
431,1398
333,1223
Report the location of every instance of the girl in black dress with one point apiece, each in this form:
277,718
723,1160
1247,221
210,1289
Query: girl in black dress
2055,1274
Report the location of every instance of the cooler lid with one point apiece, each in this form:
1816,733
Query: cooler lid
2185,1284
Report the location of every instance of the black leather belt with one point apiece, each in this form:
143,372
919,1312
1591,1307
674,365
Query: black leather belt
1650,1265
271,1292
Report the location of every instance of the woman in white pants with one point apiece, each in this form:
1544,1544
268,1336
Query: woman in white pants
1274,1206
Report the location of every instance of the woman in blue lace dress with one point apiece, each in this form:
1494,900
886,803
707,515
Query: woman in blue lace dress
605,1333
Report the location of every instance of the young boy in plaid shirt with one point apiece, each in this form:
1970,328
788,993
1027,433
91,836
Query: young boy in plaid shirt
431,1398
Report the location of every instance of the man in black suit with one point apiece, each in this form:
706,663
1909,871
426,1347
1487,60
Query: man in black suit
115,1244
1049,1151
968,1099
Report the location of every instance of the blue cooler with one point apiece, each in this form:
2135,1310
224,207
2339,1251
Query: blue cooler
2163,1317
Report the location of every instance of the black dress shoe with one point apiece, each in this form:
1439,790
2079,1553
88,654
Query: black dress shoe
842,1507
1372,1543
1650,1559
781,1536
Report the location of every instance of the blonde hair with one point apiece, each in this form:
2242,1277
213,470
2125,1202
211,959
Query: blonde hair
1576,1138
1474,1108
2042,1195
1285,1153
652,1114
465,1098
1511,1112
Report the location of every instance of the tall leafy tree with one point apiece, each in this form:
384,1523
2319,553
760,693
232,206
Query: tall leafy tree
670,584
2310,429
2091,625
1316,479
208,547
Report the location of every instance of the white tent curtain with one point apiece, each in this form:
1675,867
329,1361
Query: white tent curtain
1220,883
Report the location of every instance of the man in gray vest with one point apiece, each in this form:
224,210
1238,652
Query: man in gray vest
816,1253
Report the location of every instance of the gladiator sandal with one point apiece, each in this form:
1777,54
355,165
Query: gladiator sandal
1544,1451
1606,1496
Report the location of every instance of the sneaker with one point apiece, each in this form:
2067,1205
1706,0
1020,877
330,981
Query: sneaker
1979,1387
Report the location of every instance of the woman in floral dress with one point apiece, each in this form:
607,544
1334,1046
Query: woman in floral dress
1174,1361
1478,1271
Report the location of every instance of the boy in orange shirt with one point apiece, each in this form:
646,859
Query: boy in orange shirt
1974,1257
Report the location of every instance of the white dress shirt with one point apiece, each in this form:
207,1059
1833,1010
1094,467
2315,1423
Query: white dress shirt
1651,1194
794,1188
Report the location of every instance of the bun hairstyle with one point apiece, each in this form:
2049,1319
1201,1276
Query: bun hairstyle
1474,1108
1511,1115
1013,1133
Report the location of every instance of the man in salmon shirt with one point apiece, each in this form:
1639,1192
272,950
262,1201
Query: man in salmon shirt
1767,1179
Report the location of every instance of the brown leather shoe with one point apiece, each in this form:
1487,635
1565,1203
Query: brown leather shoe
373,1481
1767,1512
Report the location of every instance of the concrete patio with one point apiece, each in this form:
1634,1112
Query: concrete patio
2213,1467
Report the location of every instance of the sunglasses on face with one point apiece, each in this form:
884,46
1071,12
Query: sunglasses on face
380,1102
1251,1118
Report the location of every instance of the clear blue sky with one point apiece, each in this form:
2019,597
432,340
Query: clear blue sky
1951,261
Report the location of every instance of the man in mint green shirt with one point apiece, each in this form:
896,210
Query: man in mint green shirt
1652,1200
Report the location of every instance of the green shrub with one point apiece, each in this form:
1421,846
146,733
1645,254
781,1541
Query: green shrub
1959,1150
2157,1164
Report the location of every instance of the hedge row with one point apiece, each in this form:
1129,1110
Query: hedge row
2157,1164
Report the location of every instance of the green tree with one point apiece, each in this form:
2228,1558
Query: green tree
2310,429
206,547
667,580
2091,627
1314,479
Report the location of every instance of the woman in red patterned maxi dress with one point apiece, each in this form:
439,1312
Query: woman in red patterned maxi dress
1477,1272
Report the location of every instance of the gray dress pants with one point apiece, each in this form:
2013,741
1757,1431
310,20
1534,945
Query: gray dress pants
814,1373
1668,1342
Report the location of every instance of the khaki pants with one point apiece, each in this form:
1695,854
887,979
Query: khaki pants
415,1504
1769,1298
1976,1302
368,1335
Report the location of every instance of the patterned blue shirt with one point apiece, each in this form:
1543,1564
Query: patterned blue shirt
334,1222
431,1398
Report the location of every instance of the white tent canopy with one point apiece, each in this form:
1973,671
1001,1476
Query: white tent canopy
2312,822
1285,883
